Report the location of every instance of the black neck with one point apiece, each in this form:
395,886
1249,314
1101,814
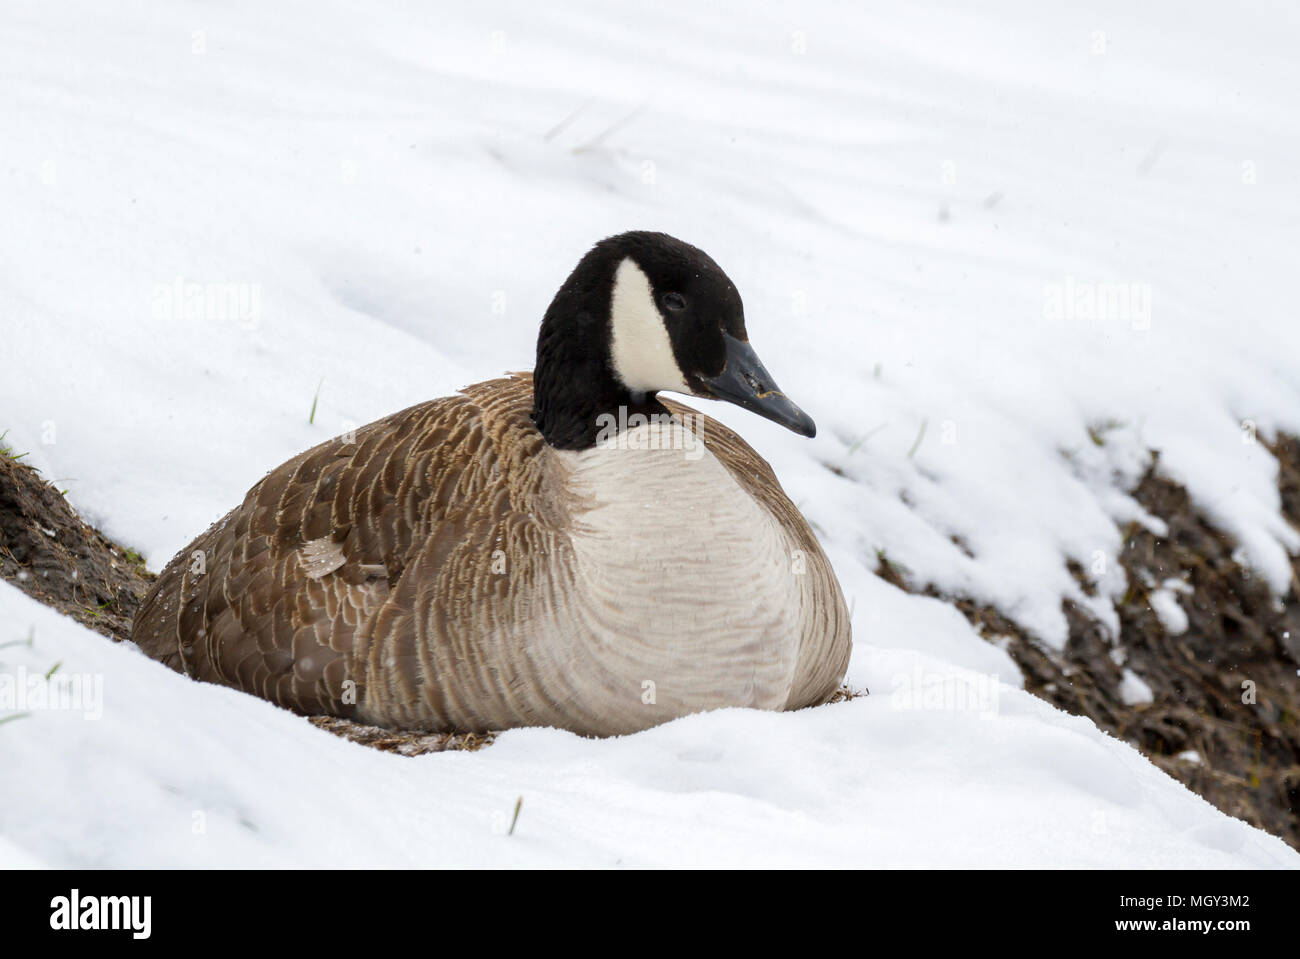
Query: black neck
573,385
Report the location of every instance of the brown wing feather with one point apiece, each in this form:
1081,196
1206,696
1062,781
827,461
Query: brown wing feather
238,605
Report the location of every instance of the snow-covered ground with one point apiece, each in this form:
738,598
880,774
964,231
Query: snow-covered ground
964,241
178,773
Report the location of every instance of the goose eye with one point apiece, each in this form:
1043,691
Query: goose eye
674,301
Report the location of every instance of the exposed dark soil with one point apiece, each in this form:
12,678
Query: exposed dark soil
398,741
1227,688
51,555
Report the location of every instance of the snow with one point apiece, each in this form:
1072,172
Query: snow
1133,689
997,256
1164,601
178,773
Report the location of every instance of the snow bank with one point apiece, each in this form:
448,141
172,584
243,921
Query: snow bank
938,767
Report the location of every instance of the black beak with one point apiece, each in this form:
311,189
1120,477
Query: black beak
747,383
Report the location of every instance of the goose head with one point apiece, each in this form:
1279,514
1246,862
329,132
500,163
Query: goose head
643,313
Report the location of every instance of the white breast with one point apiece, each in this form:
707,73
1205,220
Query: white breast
684,583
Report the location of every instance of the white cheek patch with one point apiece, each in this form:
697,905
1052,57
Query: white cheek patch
640,349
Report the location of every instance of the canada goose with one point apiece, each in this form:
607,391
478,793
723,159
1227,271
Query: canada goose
561,549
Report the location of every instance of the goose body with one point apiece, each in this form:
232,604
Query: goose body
521,554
